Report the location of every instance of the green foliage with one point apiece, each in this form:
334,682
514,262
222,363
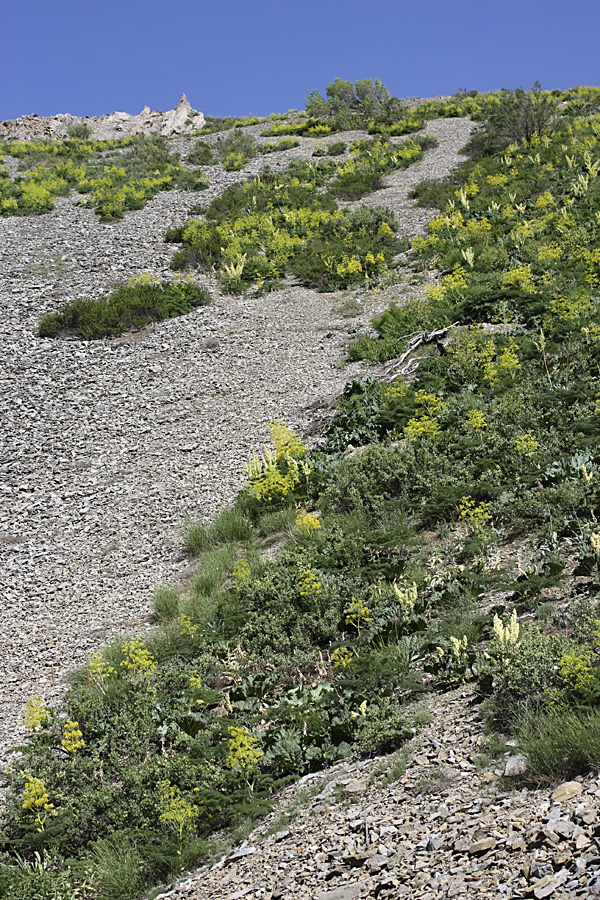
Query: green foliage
561,744
236,149
31,881
165,603
283,144
79,132
278,224
201,154
272,667
355,105
383,728
337,148
114,176
514,117
115,869
141,301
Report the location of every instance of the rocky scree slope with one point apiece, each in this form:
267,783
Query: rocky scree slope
429,823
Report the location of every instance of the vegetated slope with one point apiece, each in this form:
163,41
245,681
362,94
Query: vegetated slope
401,573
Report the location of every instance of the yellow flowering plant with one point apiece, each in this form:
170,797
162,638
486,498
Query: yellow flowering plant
244,755
307,522
37,715
274,475
342,658
137,659
175,812
36,800
358,614
72,739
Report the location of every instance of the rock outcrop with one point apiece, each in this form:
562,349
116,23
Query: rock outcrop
181,120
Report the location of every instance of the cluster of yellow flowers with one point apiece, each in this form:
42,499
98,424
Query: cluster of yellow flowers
244,754
476,420
137,659
36,799
506,636
276,474
498,366
241,572
358,613
425,426
99,668
452,286
521,277
36,713
176,812
195,681
72,740
394,391
186,626
475,515
307,522
341,658
309,585
526,444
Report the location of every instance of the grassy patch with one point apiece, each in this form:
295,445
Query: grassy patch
139,302
561,745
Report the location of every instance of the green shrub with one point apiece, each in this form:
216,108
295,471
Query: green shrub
236,149
383,728
354,105
80,132
201,154
141,301
283,144
336,148
515,116
31,881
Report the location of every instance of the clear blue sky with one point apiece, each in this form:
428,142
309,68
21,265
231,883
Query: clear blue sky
234,57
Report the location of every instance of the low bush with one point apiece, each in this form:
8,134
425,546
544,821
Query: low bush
283,144
201,154
141,301
236,149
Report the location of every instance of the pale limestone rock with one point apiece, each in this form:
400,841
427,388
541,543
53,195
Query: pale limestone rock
181,120
567,790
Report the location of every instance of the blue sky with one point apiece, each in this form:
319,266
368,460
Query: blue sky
234,57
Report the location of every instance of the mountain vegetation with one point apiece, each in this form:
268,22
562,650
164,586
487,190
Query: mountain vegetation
457,541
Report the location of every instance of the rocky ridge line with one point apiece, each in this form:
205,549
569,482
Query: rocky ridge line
181,120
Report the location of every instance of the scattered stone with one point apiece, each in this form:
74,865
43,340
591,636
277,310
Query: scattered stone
567,791
515,765
482,846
